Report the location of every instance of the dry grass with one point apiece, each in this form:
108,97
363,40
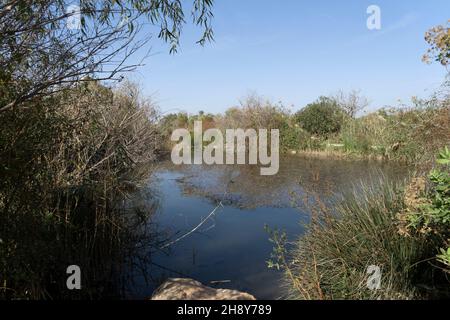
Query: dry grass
67,163
331,260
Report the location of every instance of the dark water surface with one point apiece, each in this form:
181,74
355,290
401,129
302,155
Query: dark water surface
232,245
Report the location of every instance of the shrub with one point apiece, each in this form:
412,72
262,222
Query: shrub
413,134
65,166
322,117
363,135
257,113
409,134
292,137
428,207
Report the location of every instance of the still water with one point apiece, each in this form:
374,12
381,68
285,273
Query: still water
232,247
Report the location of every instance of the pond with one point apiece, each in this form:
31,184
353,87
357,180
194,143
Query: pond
230,249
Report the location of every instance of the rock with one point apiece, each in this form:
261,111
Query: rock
189,289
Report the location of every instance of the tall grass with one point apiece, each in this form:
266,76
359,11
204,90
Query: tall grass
66,165
331,261
408,134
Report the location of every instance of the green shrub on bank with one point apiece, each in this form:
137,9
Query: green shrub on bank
427,214
296,138
322,117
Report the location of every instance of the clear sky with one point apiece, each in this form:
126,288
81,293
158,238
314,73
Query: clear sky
296,50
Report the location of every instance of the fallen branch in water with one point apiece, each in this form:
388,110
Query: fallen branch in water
212,213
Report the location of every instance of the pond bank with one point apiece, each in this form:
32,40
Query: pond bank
336,154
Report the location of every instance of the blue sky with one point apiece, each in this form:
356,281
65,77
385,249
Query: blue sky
296,50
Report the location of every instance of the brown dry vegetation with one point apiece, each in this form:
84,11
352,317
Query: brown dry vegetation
66,165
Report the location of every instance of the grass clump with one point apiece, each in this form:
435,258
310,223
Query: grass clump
333,260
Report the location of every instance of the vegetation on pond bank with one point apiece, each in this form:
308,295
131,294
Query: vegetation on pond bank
64,175
408,134
376,226
395,235
73,144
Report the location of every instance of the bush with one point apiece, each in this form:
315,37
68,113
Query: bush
427,214
65,165
255,112
408,134
322,117
292,137
414,134
363,135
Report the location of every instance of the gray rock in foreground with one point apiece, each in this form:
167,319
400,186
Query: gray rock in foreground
189,289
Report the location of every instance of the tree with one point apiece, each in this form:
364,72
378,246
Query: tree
439,40
351,103
321,117
40,53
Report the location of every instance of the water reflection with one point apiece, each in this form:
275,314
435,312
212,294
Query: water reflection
232,246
